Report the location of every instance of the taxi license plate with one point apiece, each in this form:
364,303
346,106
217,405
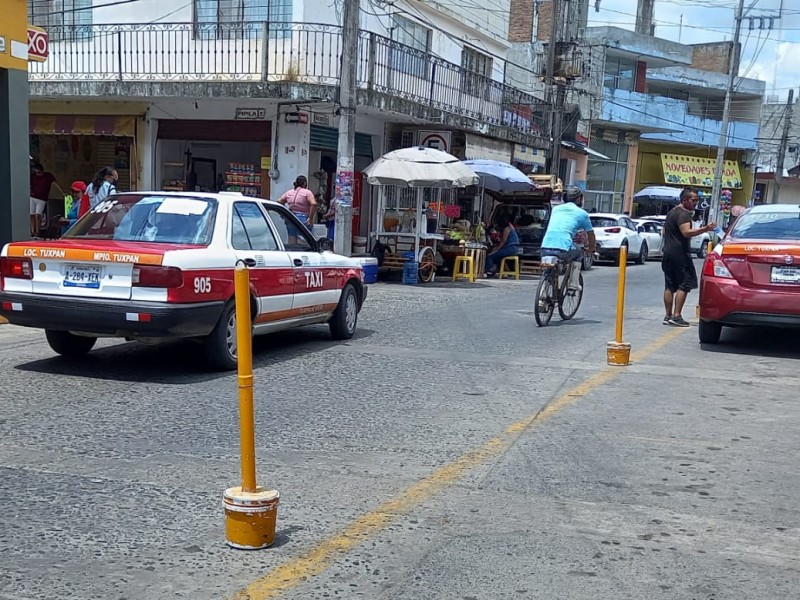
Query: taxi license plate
82,276
785,274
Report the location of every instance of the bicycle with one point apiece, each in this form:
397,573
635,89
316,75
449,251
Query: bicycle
553,291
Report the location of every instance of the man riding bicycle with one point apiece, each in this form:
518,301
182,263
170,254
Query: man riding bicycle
566,221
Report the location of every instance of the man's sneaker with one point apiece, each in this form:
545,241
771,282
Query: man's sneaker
667,320
679,322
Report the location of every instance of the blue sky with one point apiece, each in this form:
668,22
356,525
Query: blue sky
772,56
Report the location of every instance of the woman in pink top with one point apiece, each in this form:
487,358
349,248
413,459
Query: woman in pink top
301,201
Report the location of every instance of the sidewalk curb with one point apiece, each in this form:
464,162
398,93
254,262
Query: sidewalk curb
3,321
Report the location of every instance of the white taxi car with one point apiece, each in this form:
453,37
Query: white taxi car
155,265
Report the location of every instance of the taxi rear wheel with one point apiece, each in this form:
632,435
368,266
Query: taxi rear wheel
344,321
220,344
69,344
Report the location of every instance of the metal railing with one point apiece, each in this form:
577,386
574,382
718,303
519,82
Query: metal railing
280,52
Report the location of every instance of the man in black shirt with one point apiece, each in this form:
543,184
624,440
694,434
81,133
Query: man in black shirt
679,273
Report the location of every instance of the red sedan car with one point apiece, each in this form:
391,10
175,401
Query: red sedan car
753,275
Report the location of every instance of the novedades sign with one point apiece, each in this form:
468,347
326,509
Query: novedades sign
680,169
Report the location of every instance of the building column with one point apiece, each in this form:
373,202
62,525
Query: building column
291,154
14,153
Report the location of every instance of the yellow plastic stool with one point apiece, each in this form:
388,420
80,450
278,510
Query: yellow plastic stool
464,261
505,271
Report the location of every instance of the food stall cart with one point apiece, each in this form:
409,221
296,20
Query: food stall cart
410,179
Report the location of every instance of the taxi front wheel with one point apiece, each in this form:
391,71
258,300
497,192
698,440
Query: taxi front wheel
345,318
69,344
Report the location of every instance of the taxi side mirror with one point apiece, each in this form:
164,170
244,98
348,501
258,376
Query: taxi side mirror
324,245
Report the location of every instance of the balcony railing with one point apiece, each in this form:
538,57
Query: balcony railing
306,53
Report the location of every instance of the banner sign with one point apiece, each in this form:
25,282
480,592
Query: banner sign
680,169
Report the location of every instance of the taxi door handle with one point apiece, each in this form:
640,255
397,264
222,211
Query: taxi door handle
298,262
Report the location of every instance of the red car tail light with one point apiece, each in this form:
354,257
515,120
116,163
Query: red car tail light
156,277
16,268
612,229
714,267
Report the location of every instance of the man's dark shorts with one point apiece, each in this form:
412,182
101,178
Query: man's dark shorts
679,273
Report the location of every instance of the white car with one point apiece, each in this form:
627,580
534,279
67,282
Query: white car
652,232
159,265
698,243
614,231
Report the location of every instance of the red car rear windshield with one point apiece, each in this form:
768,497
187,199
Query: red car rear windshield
149,218
782,224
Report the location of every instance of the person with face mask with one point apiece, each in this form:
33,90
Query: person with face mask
566,220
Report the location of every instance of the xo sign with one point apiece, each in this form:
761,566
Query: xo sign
38,44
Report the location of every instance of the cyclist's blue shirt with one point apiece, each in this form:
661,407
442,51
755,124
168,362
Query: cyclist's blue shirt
565,221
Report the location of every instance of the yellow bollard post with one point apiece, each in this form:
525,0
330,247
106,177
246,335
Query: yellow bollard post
619,352
250,511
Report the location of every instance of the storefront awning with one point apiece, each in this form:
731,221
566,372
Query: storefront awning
117,126
583,149
680,169
478,147
525,155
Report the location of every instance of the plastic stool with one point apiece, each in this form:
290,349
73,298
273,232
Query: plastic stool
464,261
506,271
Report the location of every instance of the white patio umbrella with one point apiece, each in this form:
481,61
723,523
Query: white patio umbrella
497,176
420,167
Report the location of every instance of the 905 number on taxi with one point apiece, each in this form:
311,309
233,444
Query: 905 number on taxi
202,285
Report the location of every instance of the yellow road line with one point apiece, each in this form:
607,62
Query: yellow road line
313,562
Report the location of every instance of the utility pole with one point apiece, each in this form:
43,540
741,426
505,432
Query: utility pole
556,104
345,175
644,17
787,123
733,65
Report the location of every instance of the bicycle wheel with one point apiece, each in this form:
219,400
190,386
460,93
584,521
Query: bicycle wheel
427,265
570,301
545,302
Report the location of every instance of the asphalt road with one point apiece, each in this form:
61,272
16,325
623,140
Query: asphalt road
453,450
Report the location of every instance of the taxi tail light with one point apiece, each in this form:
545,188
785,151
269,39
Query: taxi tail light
16,268
714,267
156,276
612,229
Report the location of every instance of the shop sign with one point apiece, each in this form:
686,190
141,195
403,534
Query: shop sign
300,118
38,44
2,44
251,114
680,169
438,140
321,119
488,149
529,156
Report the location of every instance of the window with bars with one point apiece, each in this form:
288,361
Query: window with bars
416,36
63,19
242,18
479,71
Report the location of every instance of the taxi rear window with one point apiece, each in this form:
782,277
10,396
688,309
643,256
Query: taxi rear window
776,225
138,218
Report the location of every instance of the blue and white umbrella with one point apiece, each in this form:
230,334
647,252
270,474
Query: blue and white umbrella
497,176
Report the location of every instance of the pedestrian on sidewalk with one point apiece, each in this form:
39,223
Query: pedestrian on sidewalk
301,201
102,186
41,182
680,276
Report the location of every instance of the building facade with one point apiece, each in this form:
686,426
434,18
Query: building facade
216,94
660,118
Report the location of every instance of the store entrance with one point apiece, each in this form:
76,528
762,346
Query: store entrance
214,156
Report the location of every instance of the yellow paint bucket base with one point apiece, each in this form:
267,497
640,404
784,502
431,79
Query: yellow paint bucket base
619,354
250,517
